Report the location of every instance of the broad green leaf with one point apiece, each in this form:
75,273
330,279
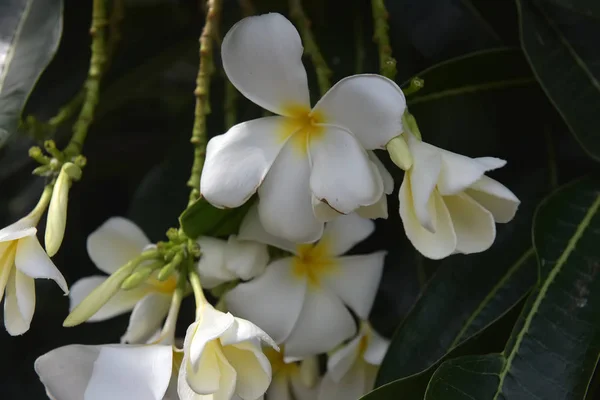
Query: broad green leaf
590,8
204,219
562,48
555,345
29,34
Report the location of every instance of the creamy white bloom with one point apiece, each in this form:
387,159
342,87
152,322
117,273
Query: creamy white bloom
111,246
113,371
448,205
223,261
292,380
352,369
223,358
301,300
307,164
22,259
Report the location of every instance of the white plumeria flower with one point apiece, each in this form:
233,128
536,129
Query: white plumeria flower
224,261
308,165
448,205
293,380
22,259
351,370
301,300
223,358
112,245
113,371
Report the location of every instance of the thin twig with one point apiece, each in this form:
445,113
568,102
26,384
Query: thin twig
205,71
387,63
310,45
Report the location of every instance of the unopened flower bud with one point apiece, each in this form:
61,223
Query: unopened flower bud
57,212
400,153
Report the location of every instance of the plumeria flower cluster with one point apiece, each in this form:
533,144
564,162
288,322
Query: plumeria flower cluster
289,292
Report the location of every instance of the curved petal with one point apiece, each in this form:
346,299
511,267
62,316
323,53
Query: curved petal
19,303
436,245
272,301
356,281
245,259
7,262
146,318
244,332
459,172
377,346
262,57
32,260
491,163
323,324
130,372
114,243
342,360
284,205
323,212
345,232
211,265
280,388
474,225
20,229
238,161
351,386
374,211
209,326
300,390
388,180
253,370
423,175
342,174
123,301
252,229
495,197
369,106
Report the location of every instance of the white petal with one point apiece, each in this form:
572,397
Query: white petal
436,245
374,211
262,57
285,207
300,390
252,367
114,243
19,303
123,301
342,360
495,197
238,161
245,259
388,180
21,228
377,346
459,172
7,262
244,331
423,175
491,163
323,324
356,281
345,232
272,301
351,386
341,173
130,373
252,229
211,265
474,225
323,212
280,388
184,390
369,106
146,318
32,260
210,325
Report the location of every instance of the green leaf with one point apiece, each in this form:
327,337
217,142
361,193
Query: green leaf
562,48
591,8
553,349
30,31
204,219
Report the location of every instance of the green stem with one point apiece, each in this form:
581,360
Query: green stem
167,335
205,71
197,289
92,83
42,203
310,45
387,63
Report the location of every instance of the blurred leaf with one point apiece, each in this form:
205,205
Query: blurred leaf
562,48
590,8
553,349
30,31
204,219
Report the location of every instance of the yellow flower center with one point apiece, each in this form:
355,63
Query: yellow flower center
166,287
304,125
277,363
314,261
7,260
